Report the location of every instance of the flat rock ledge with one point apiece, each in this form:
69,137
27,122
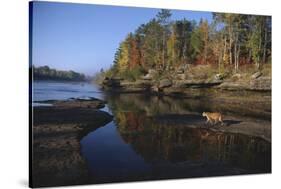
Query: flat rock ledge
257,83
57,131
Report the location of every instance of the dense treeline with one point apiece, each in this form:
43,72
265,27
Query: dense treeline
46,73
230,40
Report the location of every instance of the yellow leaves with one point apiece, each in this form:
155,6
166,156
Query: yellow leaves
225,58
124,57
171,49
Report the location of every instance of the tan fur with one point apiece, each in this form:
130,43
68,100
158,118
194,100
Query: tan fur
215,116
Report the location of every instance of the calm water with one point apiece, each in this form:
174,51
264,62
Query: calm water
48,90
152,138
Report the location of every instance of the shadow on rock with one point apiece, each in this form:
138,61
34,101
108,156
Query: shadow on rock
231,122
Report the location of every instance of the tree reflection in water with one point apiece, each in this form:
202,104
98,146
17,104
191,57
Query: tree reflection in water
165,130
168,136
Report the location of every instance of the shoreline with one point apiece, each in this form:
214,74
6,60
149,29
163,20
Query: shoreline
251,98
57,131
188,113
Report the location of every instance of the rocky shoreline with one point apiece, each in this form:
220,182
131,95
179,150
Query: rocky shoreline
172,111
235,97
256,82
57,131
232,125
250,95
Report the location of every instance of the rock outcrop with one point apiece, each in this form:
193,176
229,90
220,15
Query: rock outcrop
150,75
256,75
179,82
261,83
111,82
164,83
57,131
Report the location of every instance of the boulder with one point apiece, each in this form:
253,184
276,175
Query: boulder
230,85
180,76
147,77
261,83
155,89
152,71
165,83
150,75
237,76
110,82
89,102
180,71
218,77
256,75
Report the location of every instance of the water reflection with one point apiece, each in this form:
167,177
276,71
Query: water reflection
155,138
108,155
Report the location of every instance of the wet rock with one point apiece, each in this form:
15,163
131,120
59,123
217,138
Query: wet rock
57,115
139,85
77,103
155,89
111,82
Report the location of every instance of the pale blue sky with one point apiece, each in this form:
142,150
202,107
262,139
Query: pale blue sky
83,37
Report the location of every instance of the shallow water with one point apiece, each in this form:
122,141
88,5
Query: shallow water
51,90
155,138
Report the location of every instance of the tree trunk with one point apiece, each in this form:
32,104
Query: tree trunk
250,56
230,46
235,57
259,48
224,49
206,48
219,61
236,52
163,52
238,57
264,45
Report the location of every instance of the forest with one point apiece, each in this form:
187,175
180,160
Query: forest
229,42
46,73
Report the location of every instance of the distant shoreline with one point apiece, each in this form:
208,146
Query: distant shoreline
47,73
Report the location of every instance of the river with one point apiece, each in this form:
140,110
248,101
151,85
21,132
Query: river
152,138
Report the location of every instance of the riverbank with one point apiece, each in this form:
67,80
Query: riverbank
172,136
232,124
57,131
247,94
181,112
160,129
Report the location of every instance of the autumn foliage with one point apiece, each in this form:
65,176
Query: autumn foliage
229,40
